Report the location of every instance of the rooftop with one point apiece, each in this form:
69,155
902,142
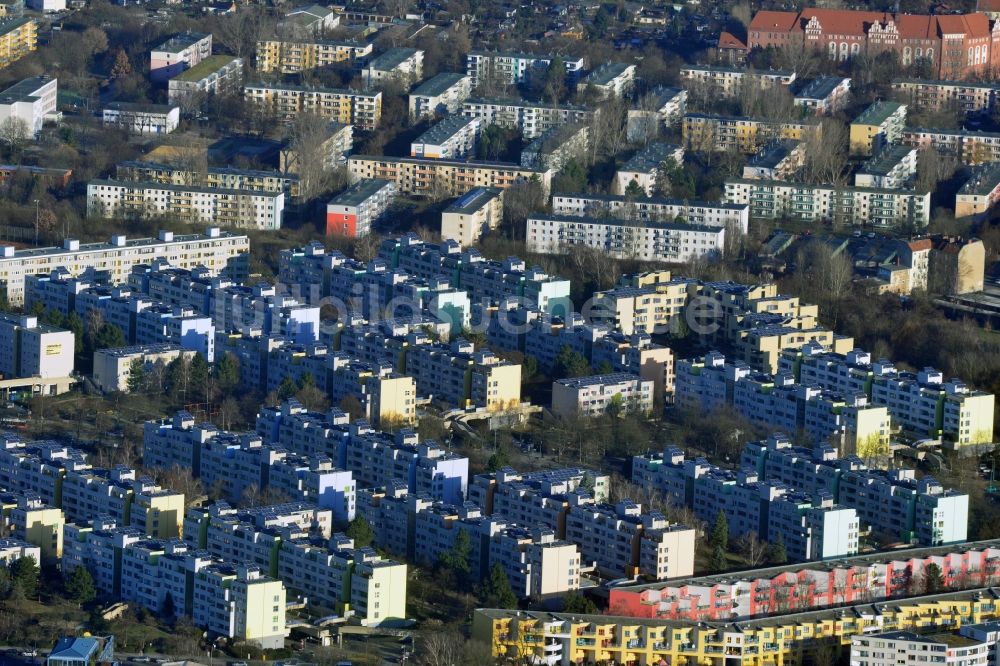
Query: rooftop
666,226
445,129
878,113
822,87
429,160
650,157
886,160
771,155
178,43
392,59
139,107
439,84
944,82
260,85
651,201
360,192
208,66
473,200
24,90
598,380
607,73
129,242
148,185
983,181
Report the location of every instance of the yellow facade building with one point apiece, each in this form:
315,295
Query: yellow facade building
291,57
707,133
350,107
18,38
40,525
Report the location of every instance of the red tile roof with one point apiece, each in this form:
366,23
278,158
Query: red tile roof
988,5
728,40
849,22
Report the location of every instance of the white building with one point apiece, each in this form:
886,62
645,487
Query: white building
113,367
216,250
644,167
511,68
733,217
473,214
596,395
249,209
353,212
451,139
441,94
215,75
178,54
31,101
31,349
905,647
47,5
647,241
142,118
532,118
613,78
894,167
405,65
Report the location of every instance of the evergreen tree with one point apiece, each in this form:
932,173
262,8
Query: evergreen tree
167,609
179,377
574,602
496,592
777,553
121,67
199,376
634,190
287,389
109,336
498,460
720,533
75,324
719,561
360,531
136,376
24,577
227,372
933,579
80,586
456,560
570,364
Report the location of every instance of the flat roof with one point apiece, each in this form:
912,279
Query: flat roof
148,185
473,200
140,107
392,58
606,73
295,88
132,350
445,129
877,113
804,186
525,104
773,153
821,88
129,243
360,191
439,84
428,160
983,181
669,226
739,70
882,163
947,82
25,90
650,157
594,380
654,201
209,65
182,41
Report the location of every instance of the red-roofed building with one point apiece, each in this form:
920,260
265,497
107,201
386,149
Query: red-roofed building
732,49
955,45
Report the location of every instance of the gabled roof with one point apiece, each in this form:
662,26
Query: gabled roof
70,647
849,22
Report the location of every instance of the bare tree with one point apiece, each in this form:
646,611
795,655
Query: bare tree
240,31
180,479
752,549
307,135
443,648
826,153
14,133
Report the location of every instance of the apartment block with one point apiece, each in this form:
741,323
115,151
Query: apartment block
12,550
894,167
335,148
350,107
18,38
308,21
291,57
645,308
141,118
532,119
779,160
600,395
644,168
404,65
733,217
613,78
458,375
231,207
647,241
728,81
979,194
425,176
36,523
879,125
555,148
453,138
215,75
661,108
254,180
968,97
177,54
31,101
376,459
876,206
870,578
592,638
892,503
440,95
922,404
511,68
31,349
892,647
706,133
824,95
971,147
471,216
354,212
113,367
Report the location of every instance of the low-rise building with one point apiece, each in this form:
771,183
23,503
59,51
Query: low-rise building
706,133
350,107
556,147
232,207
353,212
32,349
971,147
613,78
734,217
289,56
728,81
532,119
141,118
512,68
475,213
440,94
894,167
401,64
31,101
824,95
177,54
779,160
598,395
452,138
968,97
424,176
645,166
880,124
308,21
980,193
337,144
644,240
660,108
215,75
113,367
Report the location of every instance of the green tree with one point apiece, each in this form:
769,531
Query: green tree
227,372
496,592
719,561
80,586
933,579
720,532
24,577
75,324
456,560
570,364
498,460
360,531
574,602
179,377
777,553
199,376
136,376
634,190
287,389
167,609
109,336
